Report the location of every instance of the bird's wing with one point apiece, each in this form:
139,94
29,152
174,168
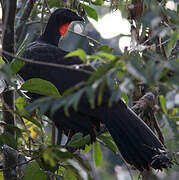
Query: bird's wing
62,78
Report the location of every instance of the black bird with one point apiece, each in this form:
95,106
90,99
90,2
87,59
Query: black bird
136,142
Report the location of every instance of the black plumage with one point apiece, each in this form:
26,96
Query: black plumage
136,142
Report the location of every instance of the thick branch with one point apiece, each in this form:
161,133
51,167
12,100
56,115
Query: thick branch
8,17
9,11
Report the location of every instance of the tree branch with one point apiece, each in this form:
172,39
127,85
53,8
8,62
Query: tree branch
8,19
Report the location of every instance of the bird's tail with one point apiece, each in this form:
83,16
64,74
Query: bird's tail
137,143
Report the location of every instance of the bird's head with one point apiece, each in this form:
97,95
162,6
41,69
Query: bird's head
58,24
63,17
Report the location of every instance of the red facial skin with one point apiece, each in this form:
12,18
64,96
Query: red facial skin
63,29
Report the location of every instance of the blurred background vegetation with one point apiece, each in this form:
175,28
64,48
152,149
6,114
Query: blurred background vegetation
140,39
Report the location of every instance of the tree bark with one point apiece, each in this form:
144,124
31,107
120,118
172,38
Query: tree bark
8,19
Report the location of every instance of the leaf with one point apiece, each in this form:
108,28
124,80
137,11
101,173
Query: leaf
1,176
163,104
40,86
57,105
82,162
54,3
43,104
106,55
32,120
98,2
33,171
87,148
107,140
172,15
79,52
20,101
97,154
101,72
90,12
105,48
100,93
14,128
1,60
77,98
134,66
69,175
95,57
5,72
125,97
91,96
173,39
78,141
8,139
16,65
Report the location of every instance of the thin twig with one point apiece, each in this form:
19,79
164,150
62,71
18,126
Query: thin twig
69,67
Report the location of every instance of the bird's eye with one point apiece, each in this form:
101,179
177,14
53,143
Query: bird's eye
78,28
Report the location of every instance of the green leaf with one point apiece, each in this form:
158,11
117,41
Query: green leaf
77,97
40,86
32,120
72,100
69,175
106,55
1,60
105,48
14,128
101,72
94,57
16,65
107,140
33,171
87,148
1,176
54,3
43,104
172,15
163,104
136,69
100,93
173,39
125,97
79,52
78,141
91,96
20,101
97,154
98,2
90,12
85,164
8,139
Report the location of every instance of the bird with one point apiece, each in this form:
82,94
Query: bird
136,142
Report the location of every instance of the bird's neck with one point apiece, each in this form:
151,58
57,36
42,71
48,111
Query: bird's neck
51,34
